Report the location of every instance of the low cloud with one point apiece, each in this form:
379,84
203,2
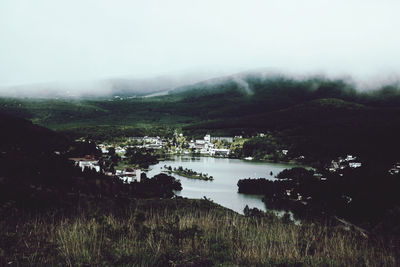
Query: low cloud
46,40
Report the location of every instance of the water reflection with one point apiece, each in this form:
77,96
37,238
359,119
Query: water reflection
226,173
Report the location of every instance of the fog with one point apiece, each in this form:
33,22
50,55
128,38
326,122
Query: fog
49,41
121,86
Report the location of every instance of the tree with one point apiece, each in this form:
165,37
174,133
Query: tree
297,173
111,151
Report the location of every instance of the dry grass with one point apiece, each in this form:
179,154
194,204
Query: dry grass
183,238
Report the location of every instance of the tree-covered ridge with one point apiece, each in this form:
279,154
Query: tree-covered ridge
203,101
316,118
365,196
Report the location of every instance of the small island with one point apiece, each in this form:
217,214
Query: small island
188,173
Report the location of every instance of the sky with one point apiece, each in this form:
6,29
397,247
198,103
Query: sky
54,40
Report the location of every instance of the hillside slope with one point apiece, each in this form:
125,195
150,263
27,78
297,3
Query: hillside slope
22,135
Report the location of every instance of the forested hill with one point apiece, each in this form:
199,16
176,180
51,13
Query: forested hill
257,94
223,98
315,116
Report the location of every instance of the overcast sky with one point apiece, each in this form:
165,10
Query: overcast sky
50,40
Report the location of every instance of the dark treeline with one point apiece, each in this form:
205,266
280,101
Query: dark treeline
141,157
321,130
36,172
52,181
365,196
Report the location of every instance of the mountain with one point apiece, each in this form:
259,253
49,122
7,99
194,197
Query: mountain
317,116
226,97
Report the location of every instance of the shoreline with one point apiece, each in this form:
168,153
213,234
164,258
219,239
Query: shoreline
290,162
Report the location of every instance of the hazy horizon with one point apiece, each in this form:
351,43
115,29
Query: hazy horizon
68,41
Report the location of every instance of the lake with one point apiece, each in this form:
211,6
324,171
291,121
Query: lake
226,172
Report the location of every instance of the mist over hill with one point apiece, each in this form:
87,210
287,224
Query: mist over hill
234,96
104,88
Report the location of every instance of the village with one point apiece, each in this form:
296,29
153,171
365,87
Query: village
341,163
115,161
178,144
116,157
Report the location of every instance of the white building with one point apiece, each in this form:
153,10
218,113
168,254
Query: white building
222,138
129,175
350,158
92,165
355,164
120,150
200,142
87,162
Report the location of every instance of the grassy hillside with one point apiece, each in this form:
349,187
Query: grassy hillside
182,232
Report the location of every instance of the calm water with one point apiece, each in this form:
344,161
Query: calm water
226,172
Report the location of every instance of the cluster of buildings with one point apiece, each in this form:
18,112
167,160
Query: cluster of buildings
341,163
207,146
91,163
149,142
142,142
212,146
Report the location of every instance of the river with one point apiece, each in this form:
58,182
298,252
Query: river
226,172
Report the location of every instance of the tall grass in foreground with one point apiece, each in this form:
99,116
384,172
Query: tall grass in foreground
186,237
